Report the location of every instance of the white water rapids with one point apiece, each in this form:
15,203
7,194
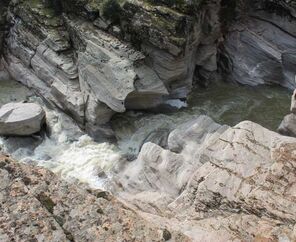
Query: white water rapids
74,155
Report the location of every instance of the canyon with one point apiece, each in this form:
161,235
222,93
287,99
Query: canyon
141,110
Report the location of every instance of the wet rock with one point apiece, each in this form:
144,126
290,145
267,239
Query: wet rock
37,205
21,119
196,131
21,146
288,125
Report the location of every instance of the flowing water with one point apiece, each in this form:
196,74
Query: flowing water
74,155
226,103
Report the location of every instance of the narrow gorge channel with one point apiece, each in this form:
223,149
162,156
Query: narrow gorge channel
73,154
143,120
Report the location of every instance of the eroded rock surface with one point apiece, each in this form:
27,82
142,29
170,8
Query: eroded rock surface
95,58
225,184
3,10
260,45
36,205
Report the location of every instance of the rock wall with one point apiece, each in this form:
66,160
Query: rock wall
95,58
260,45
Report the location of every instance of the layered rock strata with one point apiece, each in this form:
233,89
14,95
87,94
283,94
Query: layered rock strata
94,58
77,54
260,45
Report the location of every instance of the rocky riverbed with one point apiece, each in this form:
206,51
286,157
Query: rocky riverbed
131,120
154,184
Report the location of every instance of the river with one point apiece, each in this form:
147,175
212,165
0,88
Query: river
75,156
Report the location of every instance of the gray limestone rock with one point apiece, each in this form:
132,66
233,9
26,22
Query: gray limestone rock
260,46
21,119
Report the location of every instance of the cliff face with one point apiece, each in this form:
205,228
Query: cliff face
261,43
95,58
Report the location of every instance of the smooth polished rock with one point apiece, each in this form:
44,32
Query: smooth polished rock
288,125
21,119
233,184
260,49
193,131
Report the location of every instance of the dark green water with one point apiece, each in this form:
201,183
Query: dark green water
232,103
226,103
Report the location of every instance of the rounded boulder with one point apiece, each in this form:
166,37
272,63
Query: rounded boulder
21,119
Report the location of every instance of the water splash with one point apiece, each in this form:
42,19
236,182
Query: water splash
74,155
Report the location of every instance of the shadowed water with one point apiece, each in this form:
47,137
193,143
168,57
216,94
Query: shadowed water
226,103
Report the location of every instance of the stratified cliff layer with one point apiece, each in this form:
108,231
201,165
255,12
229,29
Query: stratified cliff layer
94,58
260,47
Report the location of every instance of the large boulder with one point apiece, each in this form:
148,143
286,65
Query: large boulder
21,119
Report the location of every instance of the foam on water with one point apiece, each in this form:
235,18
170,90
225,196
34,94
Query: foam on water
74,155
84,159
70,153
